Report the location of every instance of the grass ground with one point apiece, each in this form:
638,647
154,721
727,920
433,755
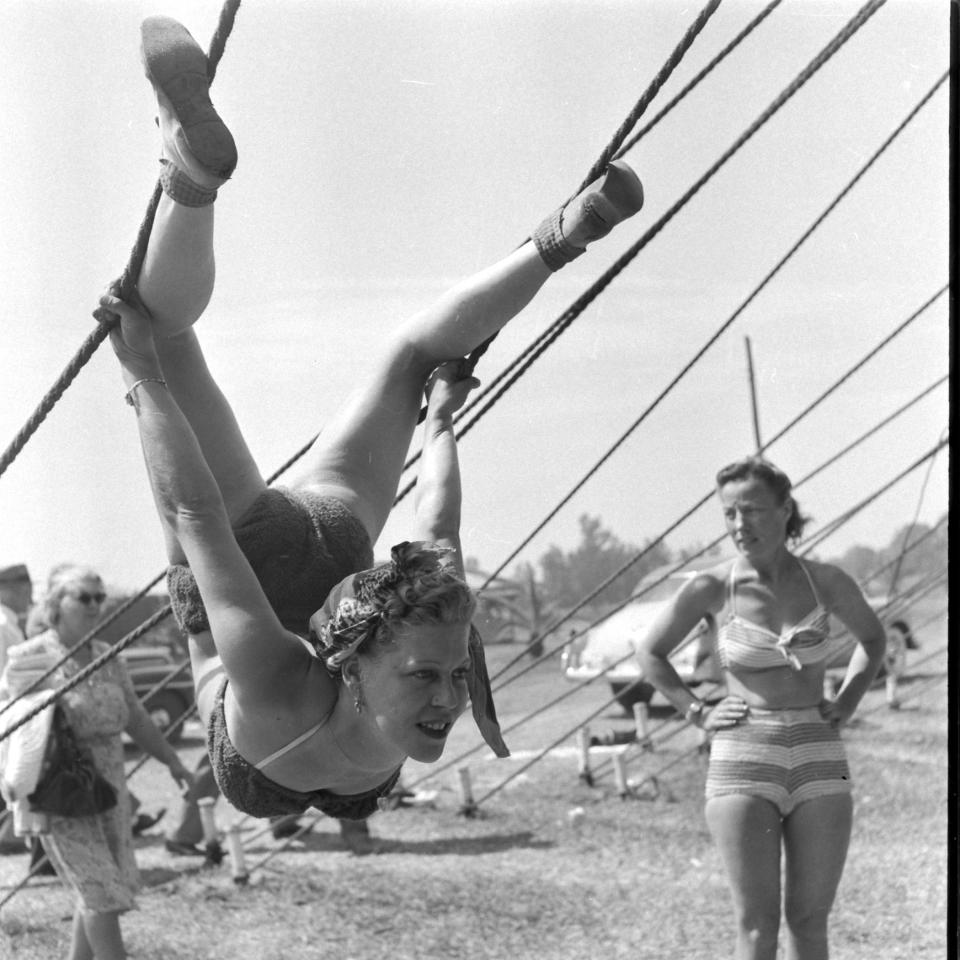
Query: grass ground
634,878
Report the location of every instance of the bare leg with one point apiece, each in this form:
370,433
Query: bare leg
103,935
80,948
177,276
178,272
175,285
360,454
816,838
747,831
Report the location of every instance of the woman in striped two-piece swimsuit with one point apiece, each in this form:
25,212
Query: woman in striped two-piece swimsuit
778,782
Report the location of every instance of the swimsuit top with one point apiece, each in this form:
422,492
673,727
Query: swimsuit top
248,789
741,643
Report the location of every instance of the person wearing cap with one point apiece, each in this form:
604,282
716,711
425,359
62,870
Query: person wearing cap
16,598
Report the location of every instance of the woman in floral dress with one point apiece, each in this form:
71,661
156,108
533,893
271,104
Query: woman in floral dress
94,855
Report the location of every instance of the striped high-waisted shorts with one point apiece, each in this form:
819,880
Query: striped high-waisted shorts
784,756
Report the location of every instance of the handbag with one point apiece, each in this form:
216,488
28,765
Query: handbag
70,785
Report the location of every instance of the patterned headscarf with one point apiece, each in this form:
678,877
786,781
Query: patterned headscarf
352,613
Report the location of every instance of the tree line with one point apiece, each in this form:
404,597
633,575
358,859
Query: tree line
522,607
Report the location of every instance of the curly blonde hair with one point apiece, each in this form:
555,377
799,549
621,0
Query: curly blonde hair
420,584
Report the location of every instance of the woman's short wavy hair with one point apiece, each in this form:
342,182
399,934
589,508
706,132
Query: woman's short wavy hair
776,481
420,584
60,579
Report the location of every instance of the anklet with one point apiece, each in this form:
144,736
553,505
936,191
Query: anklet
179,187
129,395
554,248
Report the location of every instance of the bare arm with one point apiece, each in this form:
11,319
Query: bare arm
262,660
700,597
697,598
438,491
144,733
846,600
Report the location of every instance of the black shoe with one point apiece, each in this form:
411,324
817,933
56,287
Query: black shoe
289,826
179,849
356,835
144,821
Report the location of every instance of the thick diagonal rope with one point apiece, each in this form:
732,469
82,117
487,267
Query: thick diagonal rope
781,263
616,141
124,286
576,309
856,22
477,397
709,68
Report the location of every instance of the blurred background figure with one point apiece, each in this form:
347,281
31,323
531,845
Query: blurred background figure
16,598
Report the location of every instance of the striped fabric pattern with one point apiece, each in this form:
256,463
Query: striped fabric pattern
752,647
784,756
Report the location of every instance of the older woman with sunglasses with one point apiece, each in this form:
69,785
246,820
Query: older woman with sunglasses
93,855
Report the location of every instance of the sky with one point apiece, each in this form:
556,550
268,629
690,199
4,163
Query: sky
388,149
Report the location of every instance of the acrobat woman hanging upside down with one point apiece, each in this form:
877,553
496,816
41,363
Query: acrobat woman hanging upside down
317,672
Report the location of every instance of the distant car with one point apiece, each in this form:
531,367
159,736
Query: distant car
148,666
611,646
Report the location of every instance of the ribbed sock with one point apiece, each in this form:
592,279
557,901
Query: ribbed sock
554,249
179,187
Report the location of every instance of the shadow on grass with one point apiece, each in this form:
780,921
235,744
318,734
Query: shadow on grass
463,846
324,842
155,876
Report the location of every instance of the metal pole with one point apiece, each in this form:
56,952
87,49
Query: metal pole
753,397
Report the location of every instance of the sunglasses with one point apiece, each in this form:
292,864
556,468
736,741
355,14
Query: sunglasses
88,598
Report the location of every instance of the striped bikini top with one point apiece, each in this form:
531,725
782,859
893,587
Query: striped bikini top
741,643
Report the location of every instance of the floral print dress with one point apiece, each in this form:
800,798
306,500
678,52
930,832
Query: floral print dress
94,855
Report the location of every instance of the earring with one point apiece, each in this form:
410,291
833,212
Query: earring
357,702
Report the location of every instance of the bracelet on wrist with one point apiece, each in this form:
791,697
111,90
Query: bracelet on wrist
130,395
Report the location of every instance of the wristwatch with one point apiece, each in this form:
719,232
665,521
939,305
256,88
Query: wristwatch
694,712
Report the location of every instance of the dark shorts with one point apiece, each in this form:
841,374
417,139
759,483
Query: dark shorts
300,546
